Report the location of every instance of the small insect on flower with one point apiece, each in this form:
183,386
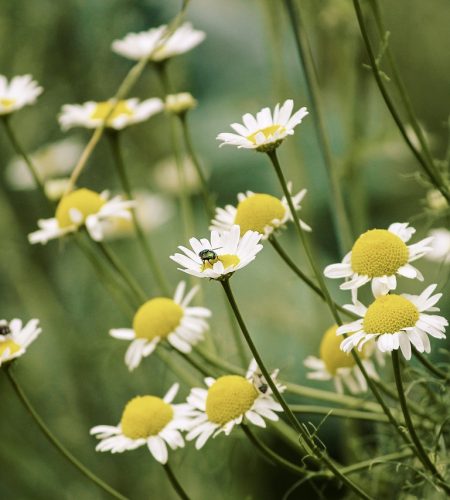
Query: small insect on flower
5,330
207,255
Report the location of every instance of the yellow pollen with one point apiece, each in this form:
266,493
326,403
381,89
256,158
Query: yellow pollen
378,252
258,211
228,398
390,314
145,416
268,132
9,345
157,318
103,108
84,200
7,103
331,354
226,259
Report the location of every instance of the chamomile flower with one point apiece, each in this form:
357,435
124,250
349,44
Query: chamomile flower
258,212
146,420
16,337
221,256
163,318
156,45
395,321
378,256
440,246
180,103
93,114
19,92
79,208
334,364
266,131
231,400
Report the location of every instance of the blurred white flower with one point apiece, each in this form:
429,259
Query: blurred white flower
180,103
156,46
56,188
440,246
92,114
436,200
152,211
52,160
15,338
266,131
166,178
19,92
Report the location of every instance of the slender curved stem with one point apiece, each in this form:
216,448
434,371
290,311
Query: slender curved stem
340,413
271,455
383,459
143,240
305,439
21,152
174,482
342,226
429,366
418,449
55,442
432,174
280,251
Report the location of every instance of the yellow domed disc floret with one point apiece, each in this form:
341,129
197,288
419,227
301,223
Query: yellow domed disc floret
9,345
331,354
103,108
378,252
145,416
268,132
83,200
226,259
390,314
157,318
228,398
258,211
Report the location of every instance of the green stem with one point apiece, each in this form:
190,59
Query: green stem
143,241
175,483
418,449
55,442
305,439
372,462
140,295
341,223
429,366
207,198
429,170
271,455
21,152
340,413
280,251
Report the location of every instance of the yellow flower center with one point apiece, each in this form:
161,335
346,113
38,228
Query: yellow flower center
102,110
331,354
268,132
226,259
258,211
145,416
157,318
378,252
87,202
228,398
390,314
9,345
7,103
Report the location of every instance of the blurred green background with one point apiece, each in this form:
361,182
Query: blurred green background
74,373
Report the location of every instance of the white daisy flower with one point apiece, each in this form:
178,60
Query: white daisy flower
19,92
378,256
221,256
258,212
180,103
163,318
93,114
146,420
396,321
265,132
155,45
334,364
82,207
231,400
15,338
52,162
164,176
440,246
